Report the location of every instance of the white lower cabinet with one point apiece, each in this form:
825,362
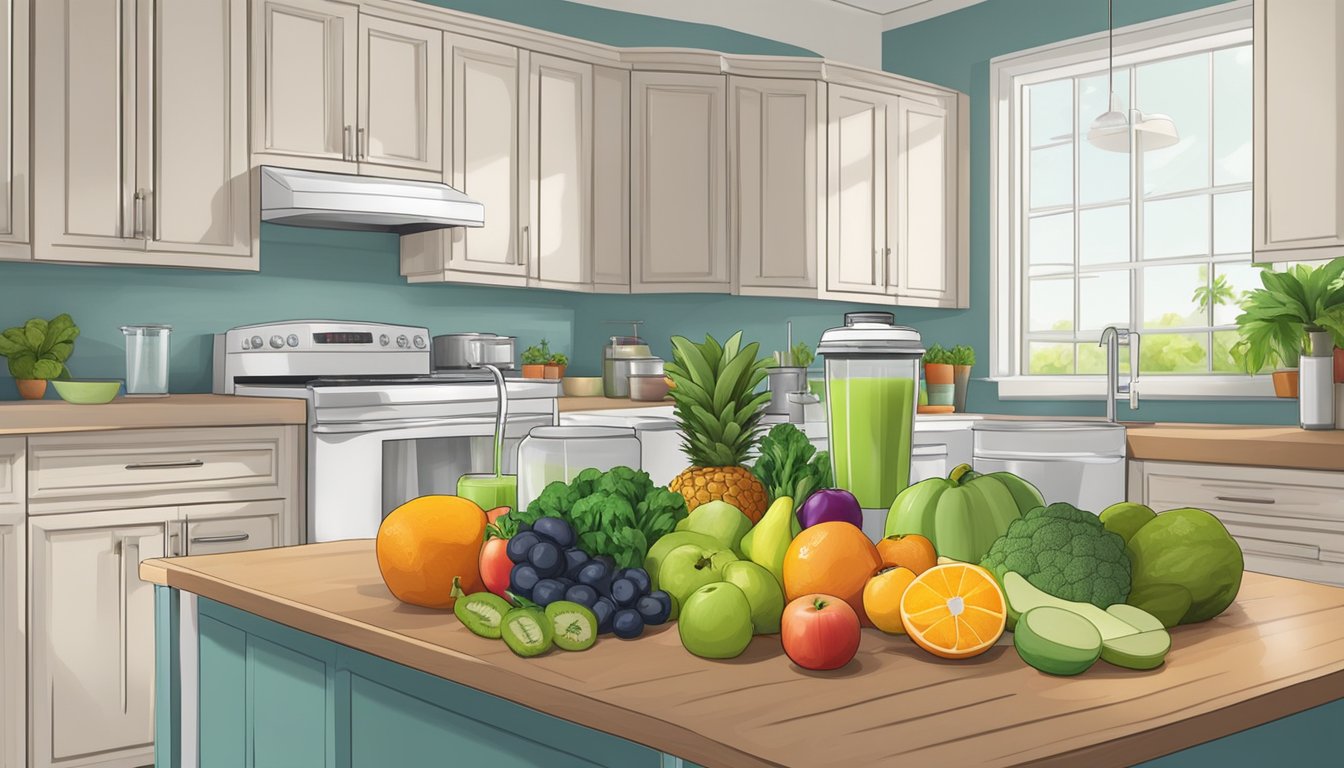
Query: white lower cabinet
13,613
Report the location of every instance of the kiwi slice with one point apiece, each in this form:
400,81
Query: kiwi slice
482,613
1145,650
1057,641
574,626
527,631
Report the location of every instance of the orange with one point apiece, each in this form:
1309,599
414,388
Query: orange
427,542
909,551
882,599
955,611
834,558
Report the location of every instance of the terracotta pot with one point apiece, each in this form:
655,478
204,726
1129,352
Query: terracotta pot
938,373
1285,383
534,371
554,372
31,389
1339,366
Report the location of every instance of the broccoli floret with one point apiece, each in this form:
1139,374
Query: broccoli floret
1065,552
556,500
630,484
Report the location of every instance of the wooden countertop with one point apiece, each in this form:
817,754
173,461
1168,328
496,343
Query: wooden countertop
1256,446
1275,652
34,417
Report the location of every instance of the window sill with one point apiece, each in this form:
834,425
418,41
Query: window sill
1150,388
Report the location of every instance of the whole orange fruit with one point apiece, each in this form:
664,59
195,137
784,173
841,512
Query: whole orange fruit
427,542
882,599
834,558
908,551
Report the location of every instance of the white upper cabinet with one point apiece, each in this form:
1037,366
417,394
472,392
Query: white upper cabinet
927,264
559,195
141,153
679,233
611,180
15,180
774,175
1299,130
856,191
401,98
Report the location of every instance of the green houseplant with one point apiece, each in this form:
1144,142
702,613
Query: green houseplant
962,358
37,351
535,358
555,365
1277,320
939,376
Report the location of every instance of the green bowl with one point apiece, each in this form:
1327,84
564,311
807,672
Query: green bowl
87,391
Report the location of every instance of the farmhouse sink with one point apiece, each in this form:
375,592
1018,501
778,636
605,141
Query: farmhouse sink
1079,462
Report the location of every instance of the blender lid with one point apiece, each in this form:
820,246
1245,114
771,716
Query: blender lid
145,327
871,333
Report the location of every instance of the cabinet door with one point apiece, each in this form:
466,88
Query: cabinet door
15,178
214,528
13,613
560,183
304,56
1299,74
922,202
773,185
400,98
856,191
611,180
92,636
678,184
199,191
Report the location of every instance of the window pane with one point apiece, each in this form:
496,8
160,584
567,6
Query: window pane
1052,176
1169,296
1102,175
1231,284
1051,302
1103,235
1178,88
1175,228
1223,362
1103,299
1092,359
1051,110
1050,244
1232,115
1048,358
1174,353
1232,223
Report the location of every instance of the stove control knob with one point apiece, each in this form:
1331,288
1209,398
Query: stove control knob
403,342
419,342
383,340
292,340
277,341
257,342
247,343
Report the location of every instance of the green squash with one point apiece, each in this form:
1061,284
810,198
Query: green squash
963,514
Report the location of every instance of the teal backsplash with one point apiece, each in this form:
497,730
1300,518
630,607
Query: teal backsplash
349,275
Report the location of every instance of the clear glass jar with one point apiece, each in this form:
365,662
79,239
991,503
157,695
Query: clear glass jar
550,454
146,359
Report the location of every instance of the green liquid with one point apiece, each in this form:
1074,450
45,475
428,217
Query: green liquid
872,424
489,491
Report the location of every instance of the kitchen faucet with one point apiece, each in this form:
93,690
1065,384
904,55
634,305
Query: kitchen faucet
1113,338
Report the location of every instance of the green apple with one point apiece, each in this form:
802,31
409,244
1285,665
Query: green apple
762,591
1126,518
716,621
653,562
690,567
720,520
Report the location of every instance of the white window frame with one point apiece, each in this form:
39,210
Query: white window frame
1220,26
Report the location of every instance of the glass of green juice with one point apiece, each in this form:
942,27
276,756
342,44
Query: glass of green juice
489,490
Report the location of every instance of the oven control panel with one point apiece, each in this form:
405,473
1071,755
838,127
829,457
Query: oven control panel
326,336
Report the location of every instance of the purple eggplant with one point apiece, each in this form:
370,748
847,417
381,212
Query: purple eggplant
830,504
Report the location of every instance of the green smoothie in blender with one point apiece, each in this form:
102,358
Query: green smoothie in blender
872,421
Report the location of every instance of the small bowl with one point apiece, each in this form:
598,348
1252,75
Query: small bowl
87,391
582,386
648,387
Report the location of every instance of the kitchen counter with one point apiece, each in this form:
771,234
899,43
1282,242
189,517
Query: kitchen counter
1255,446
1275,652
34,417
572,404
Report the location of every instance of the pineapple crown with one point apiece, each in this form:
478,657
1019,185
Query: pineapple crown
715,398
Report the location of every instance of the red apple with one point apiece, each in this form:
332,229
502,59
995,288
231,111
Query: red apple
819,631
496,566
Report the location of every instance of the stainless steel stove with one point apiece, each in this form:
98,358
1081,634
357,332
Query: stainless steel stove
383,427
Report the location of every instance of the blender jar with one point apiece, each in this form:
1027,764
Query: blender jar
551,454
872,371
146,359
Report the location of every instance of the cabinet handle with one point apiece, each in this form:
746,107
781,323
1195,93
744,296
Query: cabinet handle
345,144
138,213
168,464
221,539
123,583
1244,500
173,533
361,144
526,255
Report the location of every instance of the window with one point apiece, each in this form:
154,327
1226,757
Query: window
1157,241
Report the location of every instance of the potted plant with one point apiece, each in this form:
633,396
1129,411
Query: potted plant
963,357
939,376
555,366
535,358
1278,320
37,351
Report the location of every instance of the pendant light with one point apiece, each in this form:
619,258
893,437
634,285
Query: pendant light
1110,131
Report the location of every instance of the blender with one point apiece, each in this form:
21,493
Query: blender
872,373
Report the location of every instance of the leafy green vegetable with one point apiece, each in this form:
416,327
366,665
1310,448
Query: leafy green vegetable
629,484
962,354
789,465
39,348
937,354
585,483
801,355
1065,552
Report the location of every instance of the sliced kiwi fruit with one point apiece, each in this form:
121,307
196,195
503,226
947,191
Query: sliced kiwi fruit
1057,641
527,631
482,612
573,626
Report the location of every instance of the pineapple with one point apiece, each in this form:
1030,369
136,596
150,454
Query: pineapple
720,412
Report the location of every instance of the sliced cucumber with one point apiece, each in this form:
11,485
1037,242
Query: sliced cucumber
1144,650
573,626
1141,620
1023,596
482,613
527,631
1057,641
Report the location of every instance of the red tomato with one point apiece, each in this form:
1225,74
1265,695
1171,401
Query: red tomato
496,513
496,566
819,631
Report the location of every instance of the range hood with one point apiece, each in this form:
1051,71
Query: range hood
344,201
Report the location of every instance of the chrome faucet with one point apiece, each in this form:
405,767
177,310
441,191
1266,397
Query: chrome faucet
1113,338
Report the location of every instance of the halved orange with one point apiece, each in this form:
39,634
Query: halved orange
954,610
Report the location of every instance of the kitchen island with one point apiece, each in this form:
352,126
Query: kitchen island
305,658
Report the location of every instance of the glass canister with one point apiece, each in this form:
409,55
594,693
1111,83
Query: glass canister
550,454
146,359
872,372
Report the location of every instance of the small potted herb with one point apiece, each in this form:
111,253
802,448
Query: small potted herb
535,358
555,366
938,375
37,351
963,358
1279,321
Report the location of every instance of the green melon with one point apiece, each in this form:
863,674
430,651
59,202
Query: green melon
1057,641
964,514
